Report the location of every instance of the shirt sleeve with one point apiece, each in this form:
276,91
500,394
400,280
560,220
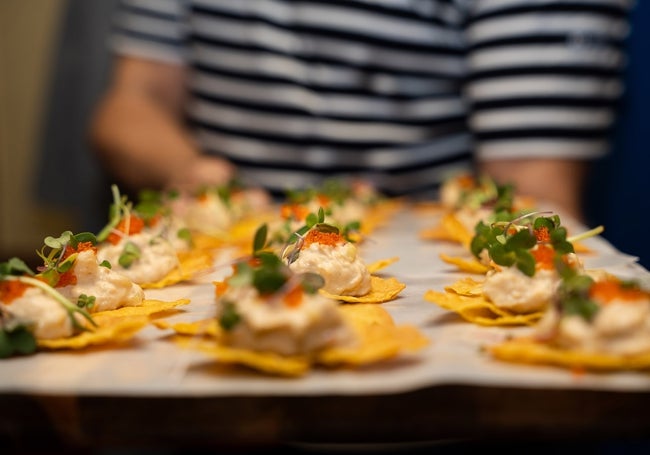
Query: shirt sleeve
152,29
544,76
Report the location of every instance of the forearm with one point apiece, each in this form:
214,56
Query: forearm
141,144
556,181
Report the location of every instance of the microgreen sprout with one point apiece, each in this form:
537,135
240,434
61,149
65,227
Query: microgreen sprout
572,297
510,243
119,209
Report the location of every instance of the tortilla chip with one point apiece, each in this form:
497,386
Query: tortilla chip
379,214
465,265
208,242
113,326
267,362
381,290
206,327
191,264
429,207
528,351
449,229
112,330
381,264
478,310
379,338
466,286
149,307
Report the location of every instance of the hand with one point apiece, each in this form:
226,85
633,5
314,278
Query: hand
202,170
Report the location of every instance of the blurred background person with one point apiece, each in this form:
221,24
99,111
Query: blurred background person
282,94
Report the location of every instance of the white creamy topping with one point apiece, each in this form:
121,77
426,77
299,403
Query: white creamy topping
272,325
450,193
157,257
340,266
111,289
208,215
45,316
348,212
168,228
513,290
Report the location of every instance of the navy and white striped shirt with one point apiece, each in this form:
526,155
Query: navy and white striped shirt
401,92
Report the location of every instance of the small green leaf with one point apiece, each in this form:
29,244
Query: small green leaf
229,317
260,238
312,282
129,255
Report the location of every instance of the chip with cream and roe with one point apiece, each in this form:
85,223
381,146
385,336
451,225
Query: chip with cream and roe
275,320
600,323
321,248
523,278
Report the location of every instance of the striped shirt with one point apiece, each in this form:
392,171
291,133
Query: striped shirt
400,92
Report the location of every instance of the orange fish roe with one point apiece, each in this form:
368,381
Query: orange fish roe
543,255
154,220
323,200
293,298
608,290
10,290
81,246
134,224
466,181
66,279
542,234
296,211
220,288
325,238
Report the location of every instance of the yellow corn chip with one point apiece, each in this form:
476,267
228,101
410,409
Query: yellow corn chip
206,327
379,214
111,331
366,314
148,308
478,310
379,338
381,290
381,264
466,286
449,229
465,265
208,242
113,326
267,362
525,350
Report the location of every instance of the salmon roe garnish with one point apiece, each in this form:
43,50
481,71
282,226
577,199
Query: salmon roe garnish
135,225
11,290
608,290
293,298
325,238
296,211
220,288
543,255
542,234
323,200
66,279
